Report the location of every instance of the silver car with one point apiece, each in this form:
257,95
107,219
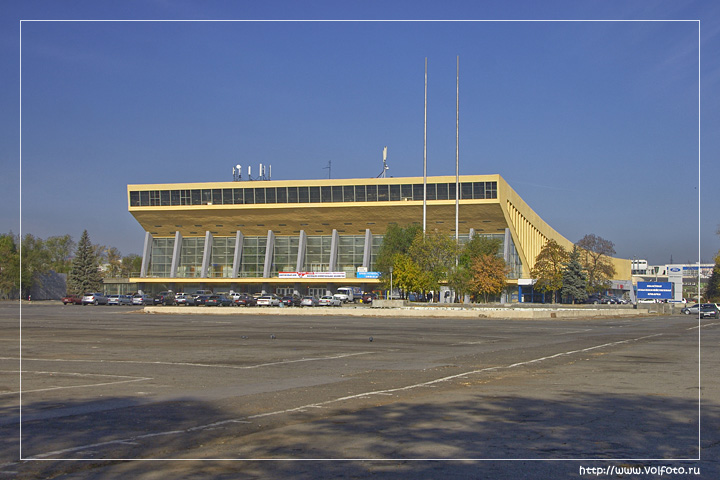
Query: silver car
94,299
309,301
329,301
268,301
141,299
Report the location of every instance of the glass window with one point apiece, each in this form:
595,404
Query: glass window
185,197
161,257
479,190
337,194
238,196
303,194
281,195
217,196
227,196
431,191
165,197
407,191
134,199
360,193
451,191
442,191
314,194
292,195
206,196
269,195
249,195
383,193
326,194
145,199
196,197
259,195
466,190
418,191
348,193
490,189
371,193
395,193
175,197
222,256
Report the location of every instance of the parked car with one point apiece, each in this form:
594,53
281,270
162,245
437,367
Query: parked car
245,300
72,299
268,301
164,298
119,300
290,301
368,297
94,299
309,301
142,299
693,309
597,298
218,301
198,300
329,301
709,310
182,298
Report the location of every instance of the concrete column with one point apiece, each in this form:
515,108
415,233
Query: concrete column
237,256
207,254
332,264
147,251
367,252
269,254
302,246
472,234
176,255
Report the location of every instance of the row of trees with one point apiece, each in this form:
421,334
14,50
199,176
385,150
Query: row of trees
58,254
421,263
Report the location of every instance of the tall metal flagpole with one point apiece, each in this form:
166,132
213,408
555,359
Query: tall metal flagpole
457,153
425,158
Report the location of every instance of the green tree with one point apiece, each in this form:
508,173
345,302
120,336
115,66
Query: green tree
574,284
114,262
34,262
9,266
396,240
435,254
84,275
712,290
549,267
459,278
60,249
131,265
408,275
595,253
489,274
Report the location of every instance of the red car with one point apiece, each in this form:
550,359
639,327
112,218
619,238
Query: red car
74,299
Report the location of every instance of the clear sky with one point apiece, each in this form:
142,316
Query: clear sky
594,123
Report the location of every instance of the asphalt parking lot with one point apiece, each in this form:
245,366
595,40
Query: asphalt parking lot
109,392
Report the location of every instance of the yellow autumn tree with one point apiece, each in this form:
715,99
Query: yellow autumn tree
488,273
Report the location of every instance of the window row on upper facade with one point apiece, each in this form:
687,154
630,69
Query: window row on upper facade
319,194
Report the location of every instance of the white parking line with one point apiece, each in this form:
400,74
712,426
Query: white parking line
71,374
55,454
187,364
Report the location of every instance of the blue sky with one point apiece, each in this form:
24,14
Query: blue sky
594,124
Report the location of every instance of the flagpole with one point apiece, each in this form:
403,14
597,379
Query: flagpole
425,158
457,153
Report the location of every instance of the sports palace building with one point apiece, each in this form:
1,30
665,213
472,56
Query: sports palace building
313,236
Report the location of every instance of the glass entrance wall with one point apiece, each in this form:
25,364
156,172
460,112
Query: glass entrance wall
285,255
253,257
317,253
221,261
350,253
374,250
191,255
161,257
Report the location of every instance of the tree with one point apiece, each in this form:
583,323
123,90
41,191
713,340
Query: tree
84,275
131,264
397,240
34,261
114,262
408,276
435,254
9,266
712,290
60,250
574,285
488,276
460,276
595,259
549,268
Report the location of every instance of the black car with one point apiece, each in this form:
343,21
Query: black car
291,301
217,301
246,301
164,298
597,298
198,300
709,310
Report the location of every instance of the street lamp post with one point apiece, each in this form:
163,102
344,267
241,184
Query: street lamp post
391,283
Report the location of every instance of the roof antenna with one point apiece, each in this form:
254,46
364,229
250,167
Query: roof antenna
329,168
385,165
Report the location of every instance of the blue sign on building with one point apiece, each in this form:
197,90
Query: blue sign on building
661,290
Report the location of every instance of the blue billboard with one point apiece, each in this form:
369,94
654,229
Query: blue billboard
660,290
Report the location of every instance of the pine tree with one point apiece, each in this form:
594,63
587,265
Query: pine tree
84,275
712,291
574,279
